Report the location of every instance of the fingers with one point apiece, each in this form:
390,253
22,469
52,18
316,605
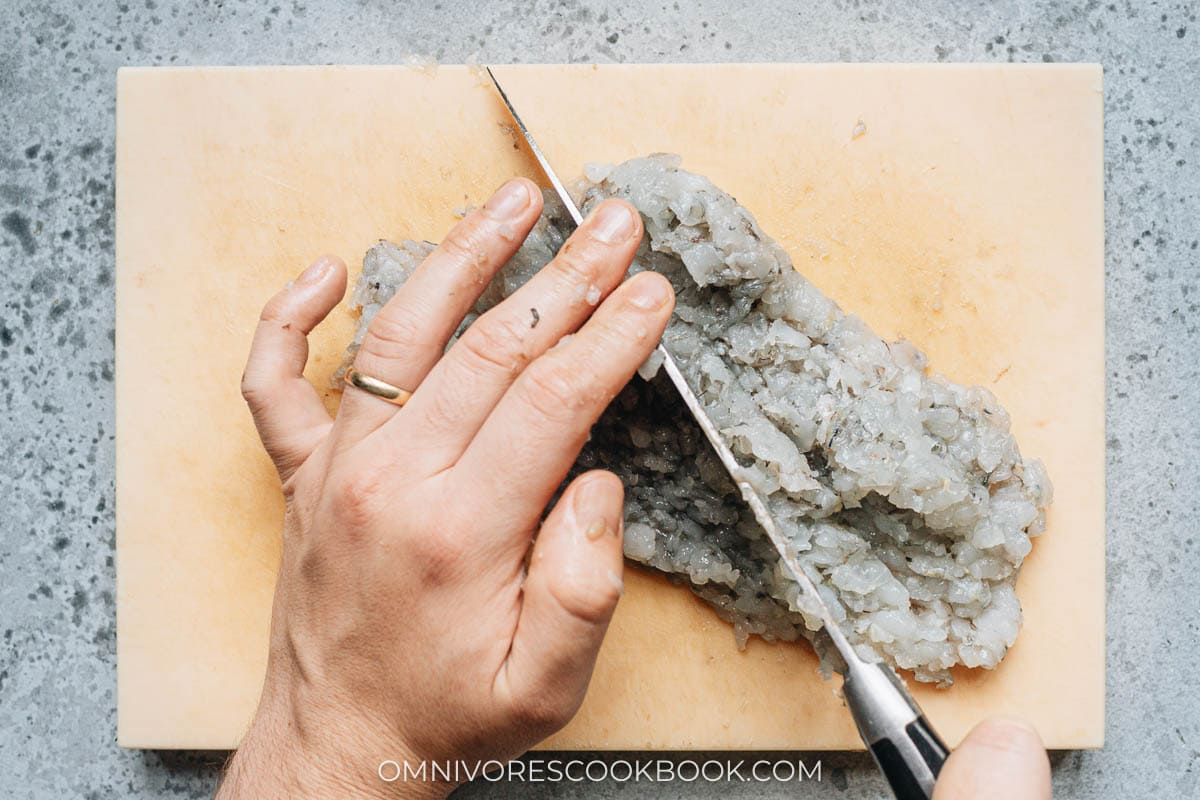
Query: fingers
573,586
287,411
461,391
528,443
1001,759
409,334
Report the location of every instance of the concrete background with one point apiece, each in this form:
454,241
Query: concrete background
57,64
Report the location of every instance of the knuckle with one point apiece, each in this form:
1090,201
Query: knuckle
273,310
440,550
576,264
553,390
393,334
618,335
252,392
357,499
467,244
497,341
257,392
592,606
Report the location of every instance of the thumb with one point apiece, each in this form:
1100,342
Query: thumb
288,412
1002,758
572,588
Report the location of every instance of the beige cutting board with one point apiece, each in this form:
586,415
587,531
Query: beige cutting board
959,206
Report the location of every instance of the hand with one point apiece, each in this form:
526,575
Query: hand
405,623
1001,759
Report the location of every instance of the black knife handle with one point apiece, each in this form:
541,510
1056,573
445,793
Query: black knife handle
902,765
906,748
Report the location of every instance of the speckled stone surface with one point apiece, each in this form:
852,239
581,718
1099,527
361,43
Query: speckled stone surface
57,68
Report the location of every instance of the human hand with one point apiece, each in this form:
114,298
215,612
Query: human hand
405,624
1001,759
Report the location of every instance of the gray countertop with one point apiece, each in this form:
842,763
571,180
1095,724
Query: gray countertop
57,66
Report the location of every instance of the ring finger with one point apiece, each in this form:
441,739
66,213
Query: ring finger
409,334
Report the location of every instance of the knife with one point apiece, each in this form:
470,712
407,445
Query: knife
905,746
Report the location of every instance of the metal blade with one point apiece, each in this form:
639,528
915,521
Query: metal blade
736,472
559,188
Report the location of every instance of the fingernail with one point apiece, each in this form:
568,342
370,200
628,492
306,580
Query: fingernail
612,222
650,293
595,501
316,271
509,200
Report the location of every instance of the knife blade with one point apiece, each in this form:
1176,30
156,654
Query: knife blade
903,743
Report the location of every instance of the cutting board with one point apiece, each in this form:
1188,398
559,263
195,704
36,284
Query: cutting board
957,206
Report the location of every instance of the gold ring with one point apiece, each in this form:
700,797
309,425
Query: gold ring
384,391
